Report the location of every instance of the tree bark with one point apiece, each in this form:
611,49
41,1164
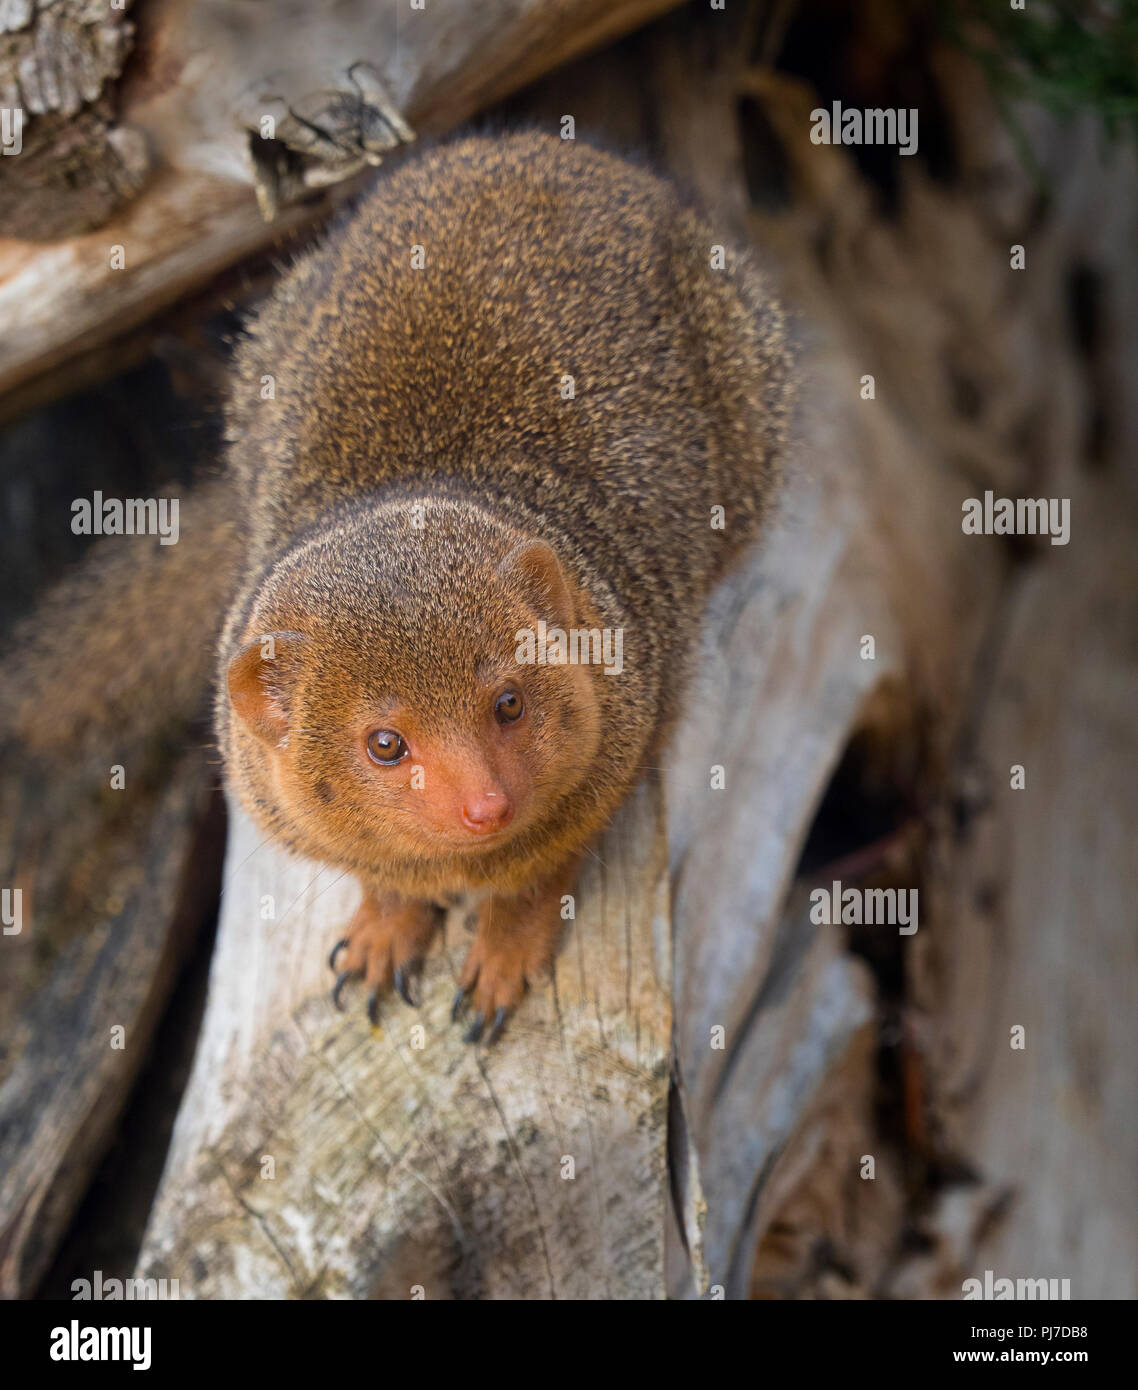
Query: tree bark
228,112
317,1157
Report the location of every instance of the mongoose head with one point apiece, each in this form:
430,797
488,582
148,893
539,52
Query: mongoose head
381,703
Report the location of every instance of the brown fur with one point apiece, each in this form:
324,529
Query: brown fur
417,444
117,660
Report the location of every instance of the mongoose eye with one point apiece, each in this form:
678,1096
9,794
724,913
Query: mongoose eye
386,747
509,707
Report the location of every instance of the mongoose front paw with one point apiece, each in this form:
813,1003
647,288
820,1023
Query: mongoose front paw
385,943
497,972
514,946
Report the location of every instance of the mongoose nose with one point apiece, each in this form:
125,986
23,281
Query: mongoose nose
487,812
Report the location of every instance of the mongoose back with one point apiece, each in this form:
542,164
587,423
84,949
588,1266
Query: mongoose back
509,396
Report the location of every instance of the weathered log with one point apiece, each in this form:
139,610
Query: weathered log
70,164
316,1157
1044,935
228,109
924,301
79,1039
110,835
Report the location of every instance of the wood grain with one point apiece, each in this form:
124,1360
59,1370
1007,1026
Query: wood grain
403,1159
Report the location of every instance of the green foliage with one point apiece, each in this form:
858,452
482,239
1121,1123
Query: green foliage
1068,55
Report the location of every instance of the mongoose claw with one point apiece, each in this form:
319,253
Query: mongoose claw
458,1007
478,1022
385,945
403,989
341,979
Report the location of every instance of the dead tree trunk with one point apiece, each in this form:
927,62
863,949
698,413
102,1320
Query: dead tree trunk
317,1157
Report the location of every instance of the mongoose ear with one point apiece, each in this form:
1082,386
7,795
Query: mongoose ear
259,679
533,570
